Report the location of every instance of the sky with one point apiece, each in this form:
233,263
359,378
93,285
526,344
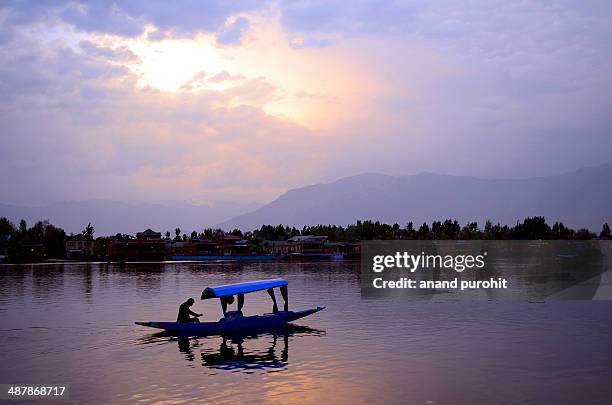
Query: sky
200,102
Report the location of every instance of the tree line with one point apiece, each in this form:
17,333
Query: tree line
21,241
529,229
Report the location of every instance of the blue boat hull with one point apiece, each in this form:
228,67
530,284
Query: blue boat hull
239,323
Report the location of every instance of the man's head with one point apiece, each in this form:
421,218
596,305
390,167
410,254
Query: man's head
190,301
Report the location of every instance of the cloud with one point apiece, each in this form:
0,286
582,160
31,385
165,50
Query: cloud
361,17
265,97
121,54
129,19
232,33
300,42
76,125
6,34
224,77
102,17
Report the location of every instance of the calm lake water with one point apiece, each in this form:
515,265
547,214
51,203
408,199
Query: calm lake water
73,324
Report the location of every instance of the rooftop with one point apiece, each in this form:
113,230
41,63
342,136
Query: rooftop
148,234
307,238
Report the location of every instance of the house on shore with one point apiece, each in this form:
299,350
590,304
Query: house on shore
226,245
348,250
31,251
315,247
148,235
148,245
192,247
79,247
4,243
300,245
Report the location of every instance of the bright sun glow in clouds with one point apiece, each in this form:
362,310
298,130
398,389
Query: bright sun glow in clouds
170,64
311,87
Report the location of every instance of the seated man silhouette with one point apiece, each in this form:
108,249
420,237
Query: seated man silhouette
184,313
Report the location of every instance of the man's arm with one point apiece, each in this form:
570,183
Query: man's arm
193,313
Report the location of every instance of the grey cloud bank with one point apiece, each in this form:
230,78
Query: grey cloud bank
490,89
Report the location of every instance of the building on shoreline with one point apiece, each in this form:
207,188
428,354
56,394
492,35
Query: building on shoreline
4,242
147,245
79,247
300,245
315,247
31,251
348,250
193,247
148,235
224,246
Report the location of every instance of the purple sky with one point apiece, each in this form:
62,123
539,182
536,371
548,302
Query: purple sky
240,101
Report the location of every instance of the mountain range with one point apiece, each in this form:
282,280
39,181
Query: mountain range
582,198
112,217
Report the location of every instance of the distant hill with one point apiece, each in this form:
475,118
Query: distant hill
579,199
111,217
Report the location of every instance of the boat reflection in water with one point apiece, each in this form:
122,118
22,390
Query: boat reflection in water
239,352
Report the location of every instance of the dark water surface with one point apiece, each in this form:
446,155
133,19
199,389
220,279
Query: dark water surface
74,324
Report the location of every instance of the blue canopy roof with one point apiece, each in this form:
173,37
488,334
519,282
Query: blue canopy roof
242,288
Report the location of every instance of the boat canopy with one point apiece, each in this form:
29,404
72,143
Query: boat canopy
242,288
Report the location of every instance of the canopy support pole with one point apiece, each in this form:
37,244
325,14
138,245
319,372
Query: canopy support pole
275,306
240,301
223,304
228,299
285,293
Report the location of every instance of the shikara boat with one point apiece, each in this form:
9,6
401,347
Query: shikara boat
233,321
